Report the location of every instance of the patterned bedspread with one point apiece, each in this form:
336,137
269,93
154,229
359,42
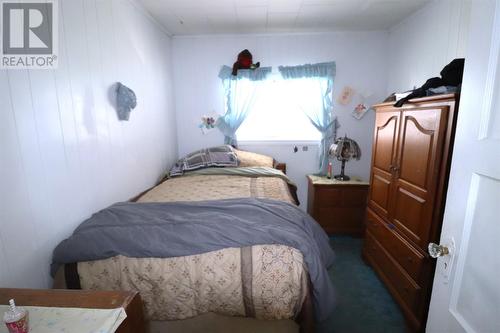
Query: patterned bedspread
265,281
218,187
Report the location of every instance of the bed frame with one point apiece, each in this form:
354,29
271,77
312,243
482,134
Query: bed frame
280,166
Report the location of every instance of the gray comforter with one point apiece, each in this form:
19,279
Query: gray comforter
174,229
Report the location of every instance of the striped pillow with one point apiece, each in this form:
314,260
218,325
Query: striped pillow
221,156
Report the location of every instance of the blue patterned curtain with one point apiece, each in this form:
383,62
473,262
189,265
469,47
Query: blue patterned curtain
316,81
240,92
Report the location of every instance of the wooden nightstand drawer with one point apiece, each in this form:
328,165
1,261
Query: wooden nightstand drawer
339,207
341,196
329,197
340,220
355,197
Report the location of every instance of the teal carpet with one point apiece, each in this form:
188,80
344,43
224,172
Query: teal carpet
363,303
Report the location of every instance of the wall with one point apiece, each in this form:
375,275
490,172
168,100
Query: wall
422,44
361,63
64,154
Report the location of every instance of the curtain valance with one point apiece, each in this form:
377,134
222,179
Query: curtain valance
323,69
257,74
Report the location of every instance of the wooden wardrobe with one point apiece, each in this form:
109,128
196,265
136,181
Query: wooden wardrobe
410,167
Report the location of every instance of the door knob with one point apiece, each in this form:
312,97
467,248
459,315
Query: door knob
437,251
446,254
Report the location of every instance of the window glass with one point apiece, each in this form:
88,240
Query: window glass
276,117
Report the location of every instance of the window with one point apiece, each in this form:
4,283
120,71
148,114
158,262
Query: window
277,117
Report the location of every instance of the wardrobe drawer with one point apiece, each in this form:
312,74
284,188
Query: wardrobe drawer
407,290
406,256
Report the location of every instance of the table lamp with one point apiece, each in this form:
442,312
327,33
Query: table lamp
344,149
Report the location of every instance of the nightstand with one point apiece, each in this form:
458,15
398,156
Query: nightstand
129,300
338,206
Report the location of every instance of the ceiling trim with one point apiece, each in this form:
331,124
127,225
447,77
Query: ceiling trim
296,33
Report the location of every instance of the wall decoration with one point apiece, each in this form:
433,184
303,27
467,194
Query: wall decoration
125,101
361,107
359,111
345,96
207,124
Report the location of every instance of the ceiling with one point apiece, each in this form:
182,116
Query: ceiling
201,17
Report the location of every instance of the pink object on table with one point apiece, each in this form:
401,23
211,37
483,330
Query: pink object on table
16,319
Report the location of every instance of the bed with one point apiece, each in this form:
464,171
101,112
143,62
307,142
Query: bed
261,280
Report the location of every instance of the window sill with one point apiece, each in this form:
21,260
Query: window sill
278,142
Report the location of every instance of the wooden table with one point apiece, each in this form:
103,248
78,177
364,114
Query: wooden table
338,206
130,301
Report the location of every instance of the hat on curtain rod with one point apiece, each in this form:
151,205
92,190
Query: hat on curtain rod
344,149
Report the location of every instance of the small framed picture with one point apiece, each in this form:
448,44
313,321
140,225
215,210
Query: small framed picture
362,101
359,111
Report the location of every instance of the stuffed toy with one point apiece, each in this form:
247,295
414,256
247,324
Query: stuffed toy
244,62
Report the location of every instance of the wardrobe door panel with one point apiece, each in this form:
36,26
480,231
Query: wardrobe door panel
385,139
417,171
384,152
380,192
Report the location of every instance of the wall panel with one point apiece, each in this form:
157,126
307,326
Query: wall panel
63,153
422,44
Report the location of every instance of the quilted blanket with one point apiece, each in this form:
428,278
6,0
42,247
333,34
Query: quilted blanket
164,230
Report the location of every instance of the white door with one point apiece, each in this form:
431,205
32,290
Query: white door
466,290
